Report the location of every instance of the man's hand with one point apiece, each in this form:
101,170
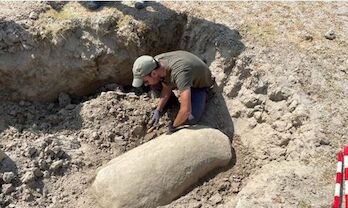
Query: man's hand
155,116
170,128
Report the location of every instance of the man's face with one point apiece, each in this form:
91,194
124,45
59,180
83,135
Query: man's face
151,79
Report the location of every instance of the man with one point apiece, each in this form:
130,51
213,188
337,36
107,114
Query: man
175,70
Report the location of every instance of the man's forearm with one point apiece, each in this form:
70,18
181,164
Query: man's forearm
162,102
165,95
181,117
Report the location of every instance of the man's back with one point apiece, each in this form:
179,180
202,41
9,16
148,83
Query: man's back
186,70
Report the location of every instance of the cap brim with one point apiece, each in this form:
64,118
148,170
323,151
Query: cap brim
137,82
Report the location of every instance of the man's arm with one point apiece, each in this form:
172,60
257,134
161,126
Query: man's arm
185,108
165,94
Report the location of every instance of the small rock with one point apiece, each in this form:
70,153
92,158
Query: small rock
56,165
325,141
43,164
330,35
33,16
150,136
64,99
216,198
31,151
235,186
95,136
7,188
278,94
195,205
28,177
70,107
138,130
307,36
56,149
28,197
258,116
251,100
8,177
2,155
46,174
37,172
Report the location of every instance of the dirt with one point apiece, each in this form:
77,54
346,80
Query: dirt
281,90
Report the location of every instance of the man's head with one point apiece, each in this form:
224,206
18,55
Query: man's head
145,71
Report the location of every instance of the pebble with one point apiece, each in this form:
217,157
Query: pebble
216,198
8,177
7,188
57,164
37,172
28,177
33,15
137,131
330,35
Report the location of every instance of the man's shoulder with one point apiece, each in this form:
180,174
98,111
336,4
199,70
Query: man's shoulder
172,54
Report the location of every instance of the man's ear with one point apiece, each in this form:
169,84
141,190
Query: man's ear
153,73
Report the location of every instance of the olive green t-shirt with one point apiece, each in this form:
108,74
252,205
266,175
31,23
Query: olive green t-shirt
185,70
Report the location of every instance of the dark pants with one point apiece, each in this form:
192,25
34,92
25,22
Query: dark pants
198,101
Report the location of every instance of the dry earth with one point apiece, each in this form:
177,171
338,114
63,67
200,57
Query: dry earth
66,107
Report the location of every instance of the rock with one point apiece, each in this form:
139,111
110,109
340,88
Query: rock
330,35
216,198
279,184
138,130
64,99
169,165
33,16
307,36
43,164
37,172
56,165
278,94
7,188
70,107
2,155
8,177
28,177
233,86
250,99
195,205
139,4
31,151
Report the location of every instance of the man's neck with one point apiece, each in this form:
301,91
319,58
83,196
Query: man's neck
163,71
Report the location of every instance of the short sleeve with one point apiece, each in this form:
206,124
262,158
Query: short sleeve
183,79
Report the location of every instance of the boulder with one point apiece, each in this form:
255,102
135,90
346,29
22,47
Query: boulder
160,170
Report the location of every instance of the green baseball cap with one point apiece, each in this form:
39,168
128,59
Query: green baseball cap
142,67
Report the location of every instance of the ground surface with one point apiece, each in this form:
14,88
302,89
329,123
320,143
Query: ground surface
283,102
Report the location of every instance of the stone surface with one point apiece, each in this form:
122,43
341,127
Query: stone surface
168,165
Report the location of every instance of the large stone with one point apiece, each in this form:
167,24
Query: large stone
158,171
